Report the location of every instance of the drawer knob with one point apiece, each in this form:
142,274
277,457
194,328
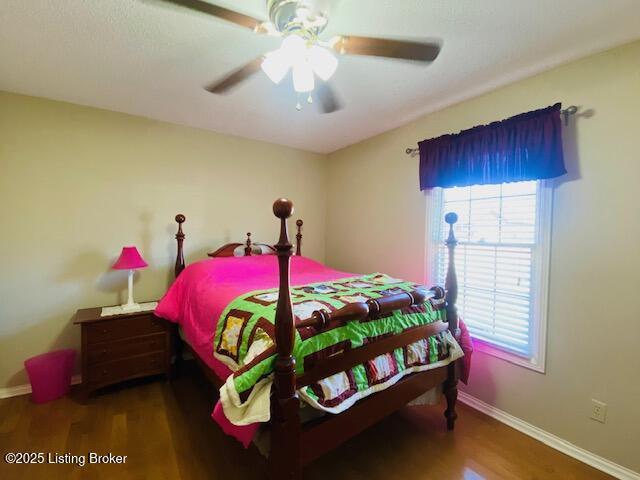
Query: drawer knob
105,330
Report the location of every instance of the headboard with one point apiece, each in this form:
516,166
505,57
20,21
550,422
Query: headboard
250,248
228,250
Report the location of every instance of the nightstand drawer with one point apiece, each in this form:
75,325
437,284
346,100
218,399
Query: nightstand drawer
116,329
119,349
118,370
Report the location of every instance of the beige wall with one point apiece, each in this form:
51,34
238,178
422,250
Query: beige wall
76,184
377,222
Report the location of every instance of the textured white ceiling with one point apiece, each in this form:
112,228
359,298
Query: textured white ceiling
147,58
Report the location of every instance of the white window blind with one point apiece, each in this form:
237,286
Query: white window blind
497,261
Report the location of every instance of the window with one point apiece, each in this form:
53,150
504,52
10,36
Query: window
502,262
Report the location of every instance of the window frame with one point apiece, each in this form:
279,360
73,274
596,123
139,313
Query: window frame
540,268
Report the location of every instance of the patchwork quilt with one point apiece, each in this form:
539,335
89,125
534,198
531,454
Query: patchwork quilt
245,333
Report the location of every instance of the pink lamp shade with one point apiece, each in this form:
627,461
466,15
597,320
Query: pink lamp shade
129,259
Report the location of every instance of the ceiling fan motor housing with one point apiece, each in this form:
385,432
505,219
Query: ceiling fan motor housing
296,17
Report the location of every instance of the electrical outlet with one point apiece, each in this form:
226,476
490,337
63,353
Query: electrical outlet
598,410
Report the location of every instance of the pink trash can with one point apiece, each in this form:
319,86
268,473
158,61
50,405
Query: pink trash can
50,374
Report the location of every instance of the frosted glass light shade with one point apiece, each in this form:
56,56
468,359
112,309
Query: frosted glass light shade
294,49
323,62
275,65
296,54
303,77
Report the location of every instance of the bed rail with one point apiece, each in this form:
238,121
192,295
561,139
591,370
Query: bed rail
370,309
360,311
349,359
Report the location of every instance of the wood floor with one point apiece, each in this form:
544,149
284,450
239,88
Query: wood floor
166,433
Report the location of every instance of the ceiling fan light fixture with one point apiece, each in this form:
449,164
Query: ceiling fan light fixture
323,62
275,65
303,77
300,24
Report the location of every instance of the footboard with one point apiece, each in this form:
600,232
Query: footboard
285,461
363,311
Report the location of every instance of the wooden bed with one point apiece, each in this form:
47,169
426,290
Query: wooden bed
294,444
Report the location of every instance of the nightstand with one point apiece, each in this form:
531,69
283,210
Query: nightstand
121,347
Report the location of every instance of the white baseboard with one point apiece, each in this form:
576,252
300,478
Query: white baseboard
549,439
7,392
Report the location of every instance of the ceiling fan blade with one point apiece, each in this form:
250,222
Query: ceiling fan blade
384,47
220,12
329,101
234,78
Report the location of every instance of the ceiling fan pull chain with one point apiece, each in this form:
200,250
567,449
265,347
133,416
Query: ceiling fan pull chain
298,104
309,98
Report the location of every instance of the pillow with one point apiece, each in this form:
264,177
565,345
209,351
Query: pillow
256,249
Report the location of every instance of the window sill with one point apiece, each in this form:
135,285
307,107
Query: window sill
531,363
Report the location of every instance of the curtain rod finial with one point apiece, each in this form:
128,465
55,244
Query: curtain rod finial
567,112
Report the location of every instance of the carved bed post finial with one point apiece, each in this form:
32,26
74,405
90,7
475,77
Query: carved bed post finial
247,248
285,432
450,387
299,223
180,218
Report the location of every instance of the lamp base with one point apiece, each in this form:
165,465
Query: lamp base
118,310
130,307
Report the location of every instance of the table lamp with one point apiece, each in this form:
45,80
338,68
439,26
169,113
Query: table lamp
130,259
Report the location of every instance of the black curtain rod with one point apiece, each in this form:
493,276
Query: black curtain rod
566,113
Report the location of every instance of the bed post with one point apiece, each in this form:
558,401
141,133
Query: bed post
284,457
450,387
179,238
175,334
247,248
299,223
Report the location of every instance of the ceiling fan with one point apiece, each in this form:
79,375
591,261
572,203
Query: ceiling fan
300,23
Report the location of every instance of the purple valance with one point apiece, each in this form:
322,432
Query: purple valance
525,147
